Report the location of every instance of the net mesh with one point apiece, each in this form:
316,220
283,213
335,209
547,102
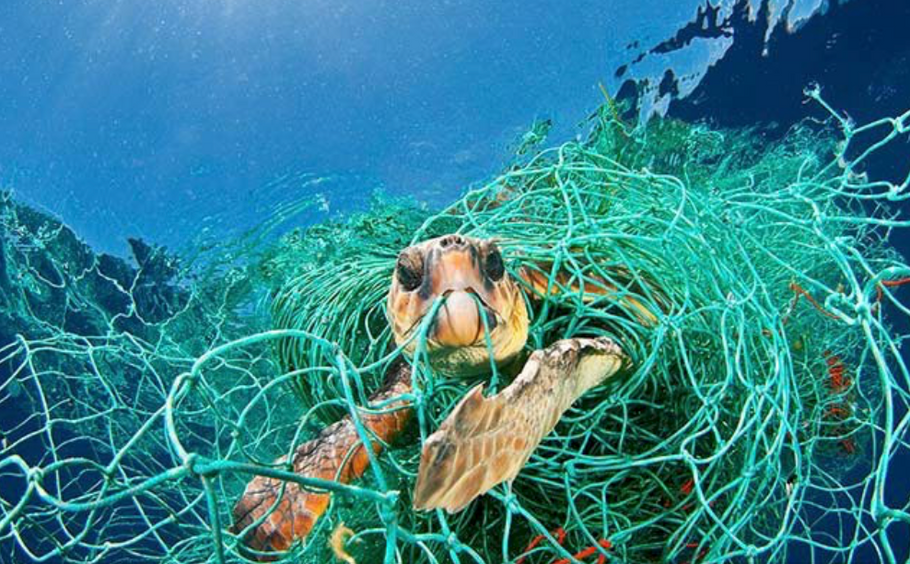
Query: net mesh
766,411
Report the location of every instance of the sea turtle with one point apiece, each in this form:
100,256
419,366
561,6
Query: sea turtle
484,441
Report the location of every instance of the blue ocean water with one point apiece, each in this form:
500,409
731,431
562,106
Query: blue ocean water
168,120
158,120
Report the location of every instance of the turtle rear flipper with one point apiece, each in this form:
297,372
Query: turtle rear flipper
486,441
626,289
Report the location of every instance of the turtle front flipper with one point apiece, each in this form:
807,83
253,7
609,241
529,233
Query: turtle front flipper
486,441
289,511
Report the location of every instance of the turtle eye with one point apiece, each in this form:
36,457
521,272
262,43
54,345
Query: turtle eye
493,266
409,271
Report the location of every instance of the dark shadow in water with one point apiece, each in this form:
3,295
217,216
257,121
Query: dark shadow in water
858,52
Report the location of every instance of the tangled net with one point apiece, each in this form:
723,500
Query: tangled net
767,406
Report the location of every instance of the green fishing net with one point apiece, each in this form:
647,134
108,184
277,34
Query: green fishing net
764,418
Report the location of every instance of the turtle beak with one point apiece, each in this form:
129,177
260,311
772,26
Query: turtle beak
458,322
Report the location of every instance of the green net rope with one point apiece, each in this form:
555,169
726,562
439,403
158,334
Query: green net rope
766,409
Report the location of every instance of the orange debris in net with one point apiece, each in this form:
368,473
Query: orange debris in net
560,537
801,292
604,543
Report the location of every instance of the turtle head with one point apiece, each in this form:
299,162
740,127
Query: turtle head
468,275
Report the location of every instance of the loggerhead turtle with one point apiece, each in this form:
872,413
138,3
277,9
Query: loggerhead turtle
484,441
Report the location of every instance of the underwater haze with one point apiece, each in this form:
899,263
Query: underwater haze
533,282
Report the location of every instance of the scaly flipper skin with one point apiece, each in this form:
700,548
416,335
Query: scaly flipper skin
486,441
297,509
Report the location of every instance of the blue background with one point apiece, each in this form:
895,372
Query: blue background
158,119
